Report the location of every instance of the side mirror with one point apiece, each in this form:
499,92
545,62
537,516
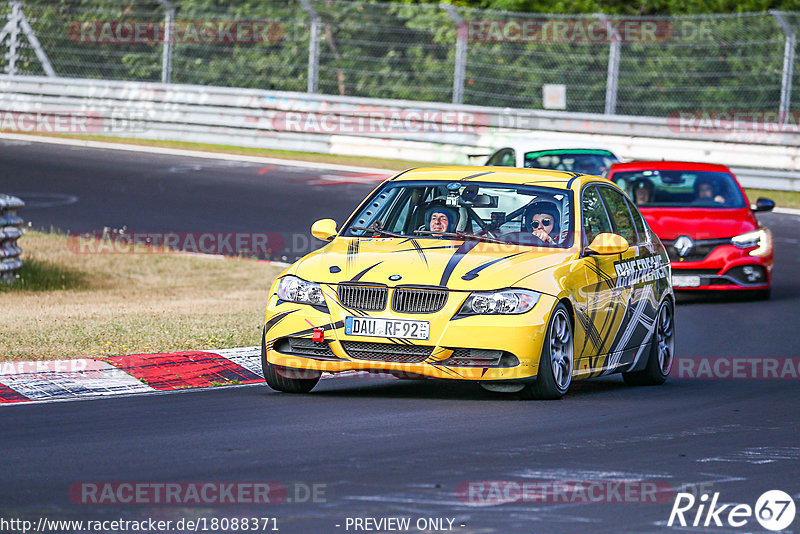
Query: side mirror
324,229
764,204
607,243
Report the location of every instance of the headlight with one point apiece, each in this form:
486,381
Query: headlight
293,289
508,301
760,238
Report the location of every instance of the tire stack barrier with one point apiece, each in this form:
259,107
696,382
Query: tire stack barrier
10,231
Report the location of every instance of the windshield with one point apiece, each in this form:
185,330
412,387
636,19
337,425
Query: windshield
596,162
681,188
504,213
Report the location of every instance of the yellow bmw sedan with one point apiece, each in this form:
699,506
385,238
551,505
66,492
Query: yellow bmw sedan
521,280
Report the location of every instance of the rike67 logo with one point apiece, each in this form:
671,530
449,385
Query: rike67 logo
774,510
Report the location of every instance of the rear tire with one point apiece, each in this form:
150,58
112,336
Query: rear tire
557,361
276,376
662,351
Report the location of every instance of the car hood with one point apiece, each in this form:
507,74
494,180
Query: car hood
459,265
709,223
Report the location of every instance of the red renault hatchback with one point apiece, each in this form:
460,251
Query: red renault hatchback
703,217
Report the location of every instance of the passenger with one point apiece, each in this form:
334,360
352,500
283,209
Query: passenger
642,191
541,220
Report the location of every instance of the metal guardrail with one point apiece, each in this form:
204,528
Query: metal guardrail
10,231
436,132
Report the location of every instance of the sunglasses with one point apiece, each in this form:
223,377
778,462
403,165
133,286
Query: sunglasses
545,222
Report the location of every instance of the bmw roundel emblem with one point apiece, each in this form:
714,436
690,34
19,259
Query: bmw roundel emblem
395,277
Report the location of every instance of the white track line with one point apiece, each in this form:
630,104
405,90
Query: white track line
194,153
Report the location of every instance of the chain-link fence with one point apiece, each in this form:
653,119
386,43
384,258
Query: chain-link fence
654,66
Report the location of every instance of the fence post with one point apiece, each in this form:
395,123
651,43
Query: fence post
461,52
12,29
788,65
313,47
612,77
166,50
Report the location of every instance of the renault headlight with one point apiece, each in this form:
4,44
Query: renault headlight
293,289
761,239
505,302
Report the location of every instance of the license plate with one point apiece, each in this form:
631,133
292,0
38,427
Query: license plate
377,327
685,281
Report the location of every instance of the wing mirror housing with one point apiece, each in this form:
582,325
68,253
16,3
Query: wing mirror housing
607,244
764,204
324,229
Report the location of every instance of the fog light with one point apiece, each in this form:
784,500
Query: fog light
752,274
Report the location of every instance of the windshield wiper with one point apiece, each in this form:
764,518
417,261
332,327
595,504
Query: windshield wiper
377,231
461,235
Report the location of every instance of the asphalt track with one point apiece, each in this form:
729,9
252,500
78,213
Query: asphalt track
387,448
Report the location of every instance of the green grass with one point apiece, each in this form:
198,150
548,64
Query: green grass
39,275
784,199
68,304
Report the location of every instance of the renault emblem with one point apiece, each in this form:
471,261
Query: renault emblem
683,245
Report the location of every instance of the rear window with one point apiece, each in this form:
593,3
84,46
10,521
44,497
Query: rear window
584,161
700,189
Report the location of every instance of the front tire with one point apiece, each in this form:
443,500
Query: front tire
662,352
276,377
557,361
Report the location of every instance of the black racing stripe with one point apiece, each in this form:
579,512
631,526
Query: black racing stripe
598,271
473,274
471,176
276,319
352,250
419,250
360,275
591,331
347,308
574,175
457,256
332,326
424,248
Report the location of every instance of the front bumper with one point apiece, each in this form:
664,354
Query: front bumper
497,347
726,268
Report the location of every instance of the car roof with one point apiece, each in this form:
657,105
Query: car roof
668,166
503,175
539,144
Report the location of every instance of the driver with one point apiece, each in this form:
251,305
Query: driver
705,191
440,218
541,220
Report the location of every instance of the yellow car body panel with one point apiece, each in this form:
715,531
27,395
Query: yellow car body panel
600,306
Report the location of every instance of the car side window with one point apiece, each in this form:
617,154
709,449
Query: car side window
638,221
620,214
503,158
595,218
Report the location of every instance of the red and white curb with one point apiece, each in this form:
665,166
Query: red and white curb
137,373
122,375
